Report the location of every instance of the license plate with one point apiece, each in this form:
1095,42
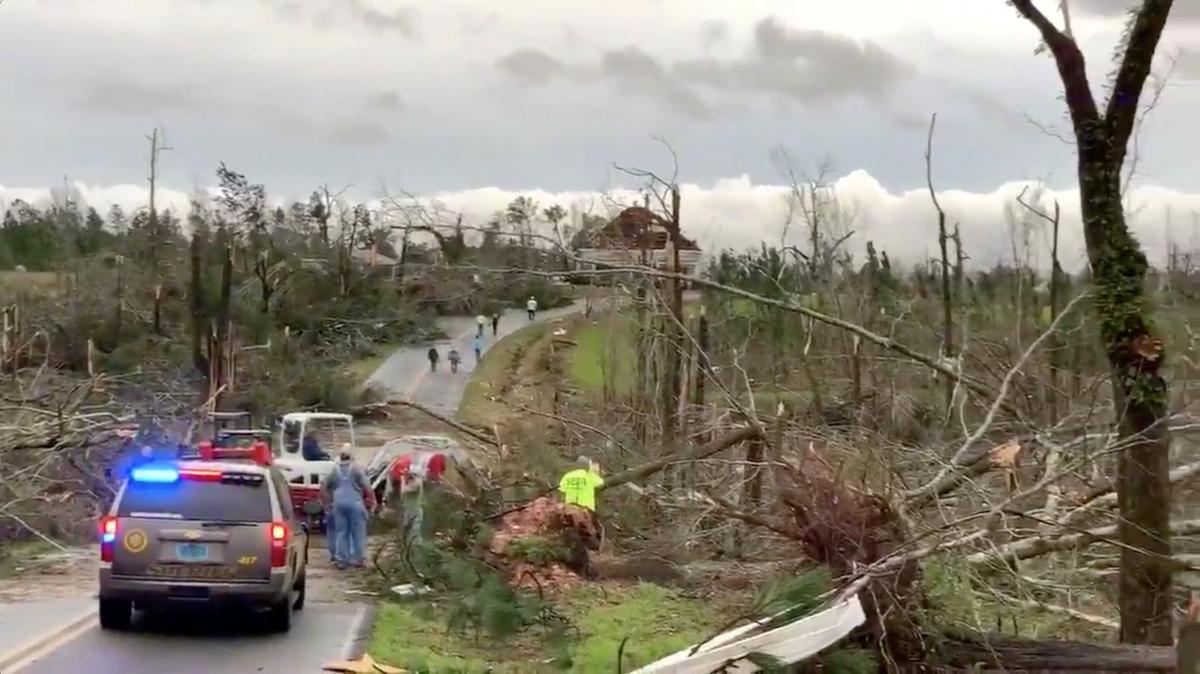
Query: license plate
192,552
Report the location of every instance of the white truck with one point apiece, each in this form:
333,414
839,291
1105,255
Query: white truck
329,431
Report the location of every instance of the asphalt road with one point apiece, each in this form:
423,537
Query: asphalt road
203,642
405,374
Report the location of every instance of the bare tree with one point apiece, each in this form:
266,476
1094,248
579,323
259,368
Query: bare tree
1119,268
156,146
943,239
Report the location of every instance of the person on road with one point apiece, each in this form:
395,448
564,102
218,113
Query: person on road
478,344
481,322
346,487
433,358
454,358
531,307
495,323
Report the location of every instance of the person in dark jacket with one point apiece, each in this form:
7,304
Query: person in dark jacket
311,449
433,358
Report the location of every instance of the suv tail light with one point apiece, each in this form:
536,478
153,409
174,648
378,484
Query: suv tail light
108,537
279,544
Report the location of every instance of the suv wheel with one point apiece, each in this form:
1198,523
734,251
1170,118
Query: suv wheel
115,614
300,592
279,616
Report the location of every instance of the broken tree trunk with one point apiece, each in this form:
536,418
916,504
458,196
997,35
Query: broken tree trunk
986,652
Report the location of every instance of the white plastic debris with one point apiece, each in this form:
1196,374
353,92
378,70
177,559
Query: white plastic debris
410,590
792,643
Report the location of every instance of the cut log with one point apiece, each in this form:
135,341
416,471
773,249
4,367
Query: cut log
1012,655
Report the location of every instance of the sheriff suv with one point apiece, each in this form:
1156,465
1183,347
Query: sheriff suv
217,529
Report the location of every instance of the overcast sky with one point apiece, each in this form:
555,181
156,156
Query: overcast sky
456,96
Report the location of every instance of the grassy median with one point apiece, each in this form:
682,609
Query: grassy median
657,621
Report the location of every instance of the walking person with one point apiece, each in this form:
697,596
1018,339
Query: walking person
495,323
349,491
478,347
433,358
531,307
481,321
454,358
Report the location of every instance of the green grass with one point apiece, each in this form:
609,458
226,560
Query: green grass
604,353
494,374
14,554
658,621
14,283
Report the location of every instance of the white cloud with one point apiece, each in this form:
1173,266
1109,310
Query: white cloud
737,213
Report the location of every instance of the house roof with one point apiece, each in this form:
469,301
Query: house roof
631,226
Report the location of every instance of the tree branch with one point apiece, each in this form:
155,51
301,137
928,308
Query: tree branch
1071,67
458,426
695,454
1143,40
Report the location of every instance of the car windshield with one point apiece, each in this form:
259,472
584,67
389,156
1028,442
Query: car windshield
193,500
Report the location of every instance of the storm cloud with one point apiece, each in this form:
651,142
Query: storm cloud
810,66
531,66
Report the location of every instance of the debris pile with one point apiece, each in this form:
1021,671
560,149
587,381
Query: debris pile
546,544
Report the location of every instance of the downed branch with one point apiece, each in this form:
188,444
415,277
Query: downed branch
695,454
951,475
1049,608
971,651
1035,546
456,425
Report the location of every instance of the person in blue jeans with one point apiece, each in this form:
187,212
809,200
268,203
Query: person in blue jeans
348,490
330,534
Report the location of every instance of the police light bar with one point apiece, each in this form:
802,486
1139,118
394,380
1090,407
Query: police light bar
259,453
152,473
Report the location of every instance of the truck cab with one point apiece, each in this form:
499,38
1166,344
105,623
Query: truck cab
324,432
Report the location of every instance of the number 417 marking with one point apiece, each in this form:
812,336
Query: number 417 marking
247,560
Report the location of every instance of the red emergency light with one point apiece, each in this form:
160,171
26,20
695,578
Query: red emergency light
259,453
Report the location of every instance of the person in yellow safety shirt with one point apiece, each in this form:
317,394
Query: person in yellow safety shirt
578,486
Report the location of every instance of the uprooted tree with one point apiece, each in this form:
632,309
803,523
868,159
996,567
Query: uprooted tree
1119,269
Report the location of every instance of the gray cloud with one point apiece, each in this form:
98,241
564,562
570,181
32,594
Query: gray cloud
129,97
805,65
713,33
385,101
635,71
531,66
358,132
402,20
809,66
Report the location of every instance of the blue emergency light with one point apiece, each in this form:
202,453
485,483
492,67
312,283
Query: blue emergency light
156,474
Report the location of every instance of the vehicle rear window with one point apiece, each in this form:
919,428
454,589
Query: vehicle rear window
193,500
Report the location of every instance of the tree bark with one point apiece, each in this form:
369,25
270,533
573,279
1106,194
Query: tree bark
1005,654
218,354
199,319
670,384
943,239
1135,355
